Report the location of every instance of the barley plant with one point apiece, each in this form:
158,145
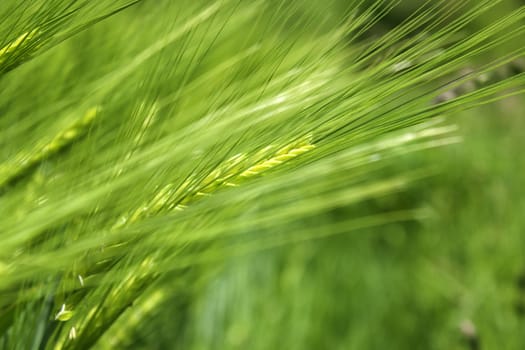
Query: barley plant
187,174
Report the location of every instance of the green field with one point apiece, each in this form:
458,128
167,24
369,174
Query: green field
266,174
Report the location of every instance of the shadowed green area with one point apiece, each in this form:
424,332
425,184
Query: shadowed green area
257,175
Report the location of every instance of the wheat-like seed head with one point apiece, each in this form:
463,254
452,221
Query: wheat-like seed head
25,160
229,174
17,44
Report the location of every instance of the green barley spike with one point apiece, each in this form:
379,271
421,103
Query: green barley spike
22,162
231,174
228,174
19,44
